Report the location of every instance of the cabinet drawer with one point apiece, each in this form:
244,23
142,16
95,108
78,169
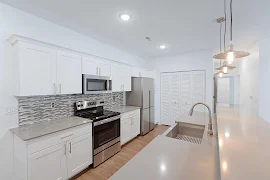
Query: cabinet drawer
47,141
130,114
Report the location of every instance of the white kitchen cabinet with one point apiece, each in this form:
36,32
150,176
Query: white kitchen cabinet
130,125
48,164
69,75
89,65
138,72
40,70
126,77
79,154
57,156
126,129
35,70
93,66
121,78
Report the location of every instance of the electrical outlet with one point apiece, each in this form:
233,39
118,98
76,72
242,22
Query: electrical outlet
11,110
53,105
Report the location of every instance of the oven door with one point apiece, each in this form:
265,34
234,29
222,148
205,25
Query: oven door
106,134
96,84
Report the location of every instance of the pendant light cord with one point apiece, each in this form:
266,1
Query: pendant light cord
231,19
225,28
220,39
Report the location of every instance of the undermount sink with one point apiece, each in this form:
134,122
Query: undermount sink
187,132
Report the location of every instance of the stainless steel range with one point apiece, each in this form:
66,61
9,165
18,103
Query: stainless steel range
106,129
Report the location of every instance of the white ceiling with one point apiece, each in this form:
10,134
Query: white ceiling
183,25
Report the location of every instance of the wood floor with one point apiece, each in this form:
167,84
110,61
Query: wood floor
128,151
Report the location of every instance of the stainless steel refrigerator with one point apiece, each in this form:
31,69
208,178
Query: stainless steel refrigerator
142,95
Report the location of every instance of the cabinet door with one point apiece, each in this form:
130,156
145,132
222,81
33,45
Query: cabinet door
48,164
69,74
104,69
89,66
126,131
135,121
136,72
116,73
37,70
126,78
79,154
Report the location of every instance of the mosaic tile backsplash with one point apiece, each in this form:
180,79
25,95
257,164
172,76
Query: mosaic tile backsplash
39,108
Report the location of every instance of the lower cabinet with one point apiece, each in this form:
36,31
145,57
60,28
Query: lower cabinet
58,156
79,154
47,164
130,126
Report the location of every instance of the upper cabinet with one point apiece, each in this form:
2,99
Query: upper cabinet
93,66
137,72
69,74
121,78
44,71
35,70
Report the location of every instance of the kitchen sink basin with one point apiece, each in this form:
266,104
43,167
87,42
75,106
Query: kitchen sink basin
187,132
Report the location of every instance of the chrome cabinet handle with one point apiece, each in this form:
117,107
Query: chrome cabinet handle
54,88
65,151
69,147
59,88
66,136
99,71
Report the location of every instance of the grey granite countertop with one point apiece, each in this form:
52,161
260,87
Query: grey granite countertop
123,109
167,158
28,132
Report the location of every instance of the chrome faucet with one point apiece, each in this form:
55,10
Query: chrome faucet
210,128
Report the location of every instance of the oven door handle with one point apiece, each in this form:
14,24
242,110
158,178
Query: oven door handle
98,123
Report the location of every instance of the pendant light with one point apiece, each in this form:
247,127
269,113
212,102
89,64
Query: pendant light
230,55
220,21
225,67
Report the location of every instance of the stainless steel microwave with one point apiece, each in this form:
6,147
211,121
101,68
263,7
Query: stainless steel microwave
96,84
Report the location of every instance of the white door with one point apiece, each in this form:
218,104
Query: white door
126,131
37,70
186,91
69,73
198,89
48,164
223,91
104,69
126,78
175,97
89,66
116,78
79,154
165,98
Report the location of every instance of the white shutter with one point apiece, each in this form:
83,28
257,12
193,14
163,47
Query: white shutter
186,91
175,97
198,89
165,98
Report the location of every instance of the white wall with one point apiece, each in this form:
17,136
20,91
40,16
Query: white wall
264,80
13,21
249,73
186,62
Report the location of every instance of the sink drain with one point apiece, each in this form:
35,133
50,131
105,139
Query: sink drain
189,139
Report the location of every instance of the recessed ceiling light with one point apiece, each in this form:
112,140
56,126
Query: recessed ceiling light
162,47
125,17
